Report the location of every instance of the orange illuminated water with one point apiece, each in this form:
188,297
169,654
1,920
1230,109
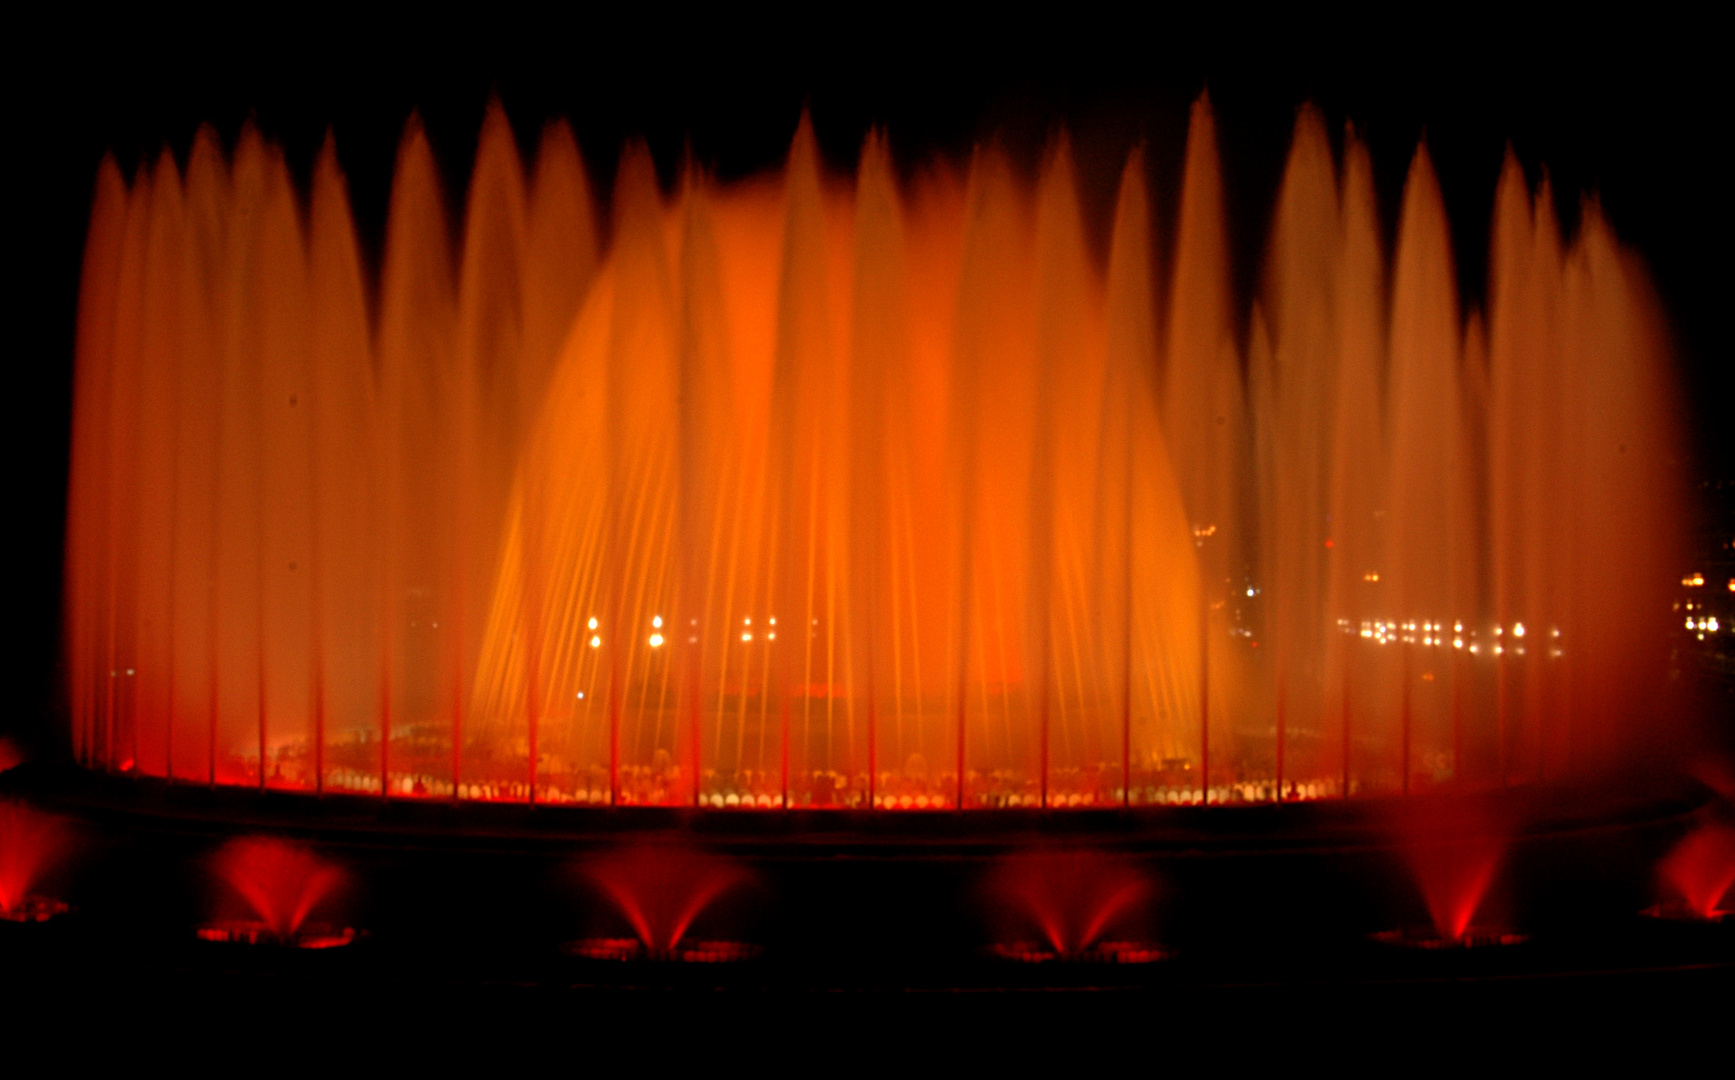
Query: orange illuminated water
889,490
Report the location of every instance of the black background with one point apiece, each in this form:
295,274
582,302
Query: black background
1631,110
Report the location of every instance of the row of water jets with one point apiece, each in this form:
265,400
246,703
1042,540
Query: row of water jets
829,491
1040,906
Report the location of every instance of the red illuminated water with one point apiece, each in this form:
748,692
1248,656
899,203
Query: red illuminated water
1454,851
30,844
1700,870
659,892
280,883
1071,905
886,490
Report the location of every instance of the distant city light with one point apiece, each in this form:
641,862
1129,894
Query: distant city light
1371,575
1518,629
656,641
1693,580
657,621
593,622
595,641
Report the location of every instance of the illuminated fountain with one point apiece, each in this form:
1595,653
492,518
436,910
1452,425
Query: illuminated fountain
659,894
1697,875
1077,907
280,885
1454,850
816,491
31,842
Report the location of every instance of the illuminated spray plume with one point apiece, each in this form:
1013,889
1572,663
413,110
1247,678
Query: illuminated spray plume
31,843
1454,851
1071,906
280,885
1699,872
852,491
661,895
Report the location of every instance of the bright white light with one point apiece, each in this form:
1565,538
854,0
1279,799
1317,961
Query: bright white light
1457,628
656,641
581,695
1457,643
1711,624
746,637
593,622
595,642
772,636
747,622
657,621
772,620
1518,629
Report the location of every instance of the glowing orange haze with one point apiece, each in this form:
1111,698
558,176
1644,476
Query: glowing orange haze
815,490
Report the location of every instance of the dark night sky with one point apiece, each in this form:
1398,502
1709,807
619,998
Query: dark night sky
1631,110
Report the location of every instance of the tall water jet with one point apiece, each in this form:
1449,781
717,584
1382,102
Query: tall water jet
1294,412
1203,417
1353,692
1430,551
